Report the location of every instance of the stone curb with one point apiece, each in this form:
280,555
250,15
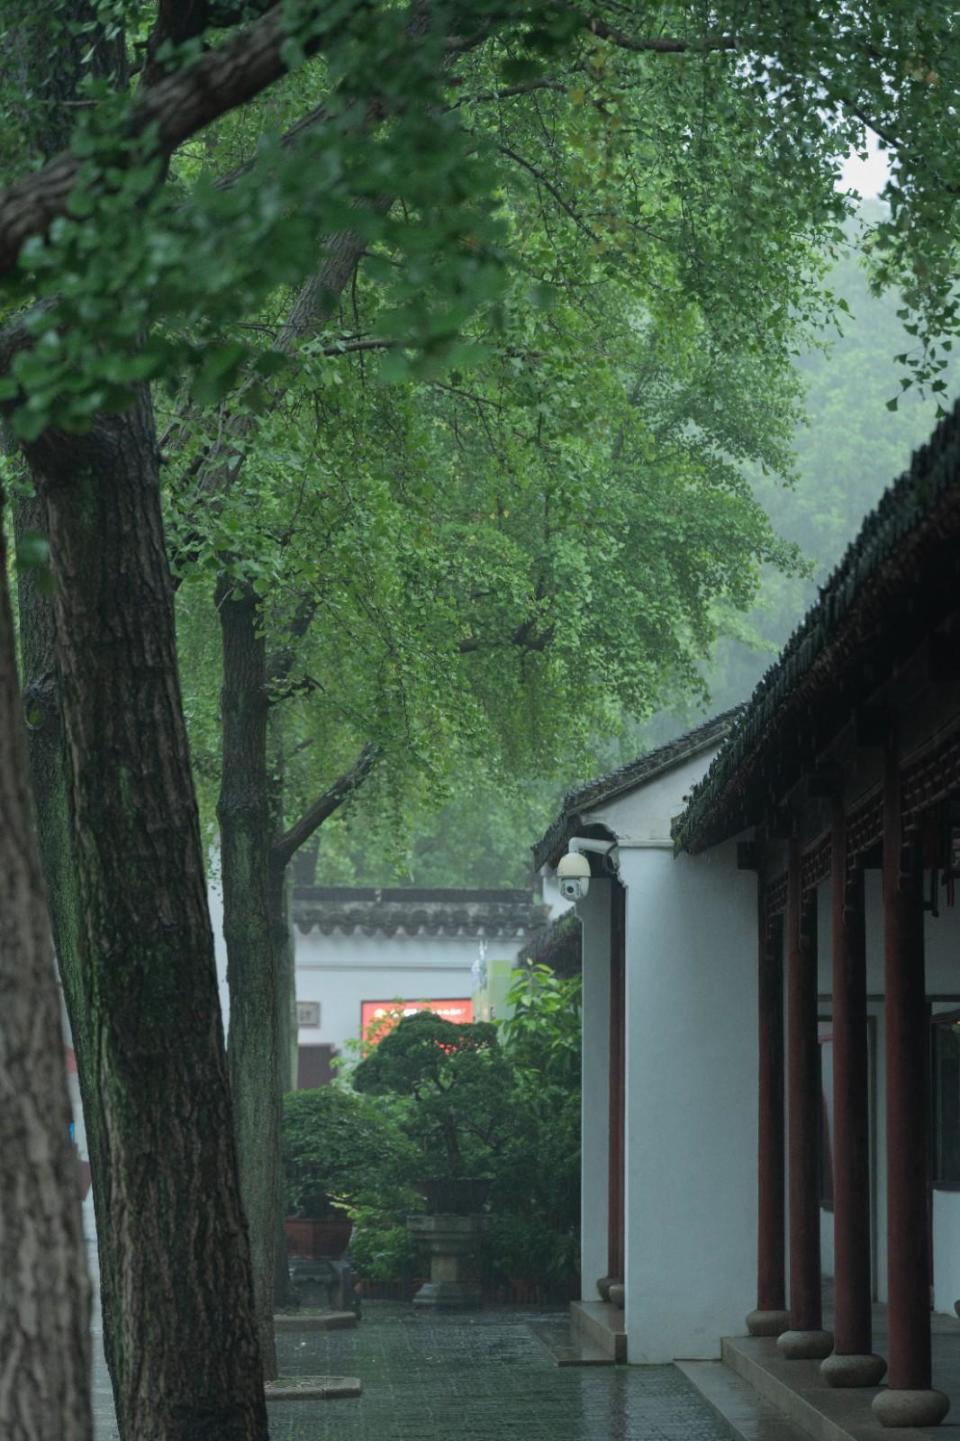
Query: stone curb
312,1388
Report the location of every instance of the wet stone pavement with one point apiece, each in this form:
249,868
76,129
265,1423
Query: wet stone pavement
480,1377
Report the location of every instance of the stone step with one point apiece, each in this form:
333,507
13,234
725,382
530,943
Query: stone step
800,1394
749,1416
565,1347
601,1326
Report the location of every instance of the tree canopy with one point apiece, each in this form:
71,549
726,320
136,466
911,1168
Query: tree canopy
426,351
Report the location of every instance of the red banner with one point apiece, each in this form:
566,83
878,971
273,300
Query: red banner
381,1016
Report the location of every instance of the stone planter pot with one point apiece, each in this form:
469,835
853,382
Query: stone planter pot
449,1241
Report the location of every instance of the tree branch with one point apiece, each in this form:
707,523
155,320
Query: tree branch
318,116
549,186
172,110
510,92
658,44
281,663
287,845
526,637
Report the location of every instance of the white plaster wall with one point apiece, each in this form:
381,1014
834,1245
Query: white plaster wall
946,1250
341,971
594,914
642,817
691,1101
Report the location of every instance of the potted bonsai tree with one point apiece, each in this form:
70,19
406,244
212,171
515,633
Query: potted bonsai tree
458,1083
337,1149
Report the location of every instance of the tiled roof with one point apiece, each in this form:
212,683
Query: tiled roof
627,778
558,945
902,564
411,911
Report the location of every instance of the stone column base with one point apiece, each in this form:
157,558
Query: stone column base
865,1370
768,1323
805,1345
910,1408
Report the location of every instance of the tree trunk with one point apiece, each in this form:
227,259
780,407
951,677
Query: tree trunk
45,1298
278,911
244,813
186,1361
49,782
282,947
278,914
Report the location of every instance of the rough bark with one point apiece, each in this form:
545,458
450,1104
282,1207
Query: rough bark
49,783
45,1297
186,1364
243,811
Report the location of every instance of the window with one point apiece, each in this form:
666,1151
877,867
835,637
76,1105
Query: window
946,1101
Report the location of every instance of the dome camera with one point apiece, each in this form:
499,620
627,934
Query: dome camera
573,874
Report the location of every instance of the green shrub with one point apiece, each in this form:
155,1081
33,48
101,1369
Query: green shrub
459,1085
434,1099
381,1247
340,1149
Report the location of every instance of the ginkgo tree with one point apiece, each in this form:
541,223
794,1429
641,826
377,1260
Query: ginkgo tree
493,560
180,178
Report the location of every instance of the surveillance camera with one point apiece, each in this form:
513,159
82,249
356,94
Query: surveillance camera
573,873
574,889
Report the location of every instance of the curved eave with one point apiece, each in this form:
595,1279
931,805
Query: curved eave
900,574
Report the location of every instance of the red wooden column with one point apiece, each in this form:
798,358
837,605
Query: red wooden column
908,1399
853,1362
806,1337
618,1020
770,1318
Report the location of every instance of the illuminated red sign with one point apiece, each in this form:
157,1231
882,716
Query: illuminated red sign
381,1016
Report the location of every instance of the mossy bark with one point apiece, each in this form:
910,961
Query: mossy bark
184,1347
45,1296
244,813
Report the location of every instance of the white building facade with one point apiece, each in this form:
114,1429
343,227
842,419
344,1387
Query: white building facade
360,951
771,956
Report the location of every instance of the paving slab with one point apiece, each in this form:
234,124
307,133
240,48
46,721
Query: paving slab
481,1376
